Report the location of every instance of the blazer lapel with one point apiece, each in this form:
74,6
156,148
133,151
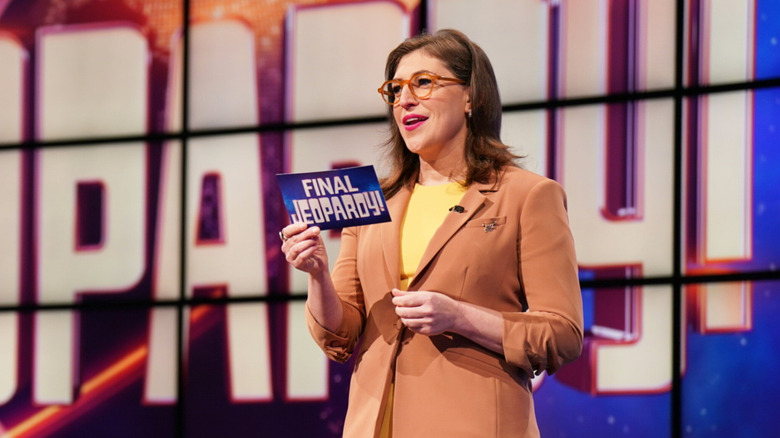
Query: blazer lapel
472,201
390,234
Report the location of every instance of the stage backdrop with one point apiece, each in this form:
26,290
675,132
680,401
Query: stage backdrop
142,289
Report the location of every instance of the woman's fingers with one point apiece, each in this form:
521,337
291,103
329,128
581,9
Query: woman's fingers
292,230
303,248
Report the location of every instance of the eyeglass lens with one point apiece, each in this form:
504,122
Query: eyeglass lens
420,85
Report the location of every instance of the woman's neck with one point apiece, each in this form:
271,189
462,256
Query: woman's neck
433,177
442,170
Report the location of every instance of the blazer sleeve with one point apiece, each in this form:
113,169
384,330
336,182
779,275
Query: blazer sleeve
340,345
549,333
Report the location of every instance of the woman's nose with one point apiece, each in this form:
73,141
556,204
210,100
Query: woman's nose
406,98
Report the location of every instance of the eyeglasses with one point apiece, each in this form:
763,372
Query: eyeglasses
420,84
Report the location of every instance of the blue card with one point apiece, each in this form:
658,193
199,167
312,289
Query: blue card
334,198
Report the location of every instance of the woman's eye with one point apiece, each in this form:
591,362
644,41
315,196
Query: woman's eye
423,82
394,89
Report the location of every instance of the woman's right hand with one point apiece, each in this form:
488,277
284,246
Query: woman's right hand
303,248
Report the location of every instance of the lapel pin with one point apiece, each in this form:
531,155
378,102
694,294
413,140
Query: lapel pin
490,226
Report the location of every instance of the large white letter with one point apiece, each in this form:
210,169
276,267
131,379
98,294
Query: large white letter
224,188
631,348
91,82
12,70
724,225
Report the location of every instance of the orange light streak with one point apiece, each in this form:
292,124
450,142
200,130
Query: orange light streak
99,386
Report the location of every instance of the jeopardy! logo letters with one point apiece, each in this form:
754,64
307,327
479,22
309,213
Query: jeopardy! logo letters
334,198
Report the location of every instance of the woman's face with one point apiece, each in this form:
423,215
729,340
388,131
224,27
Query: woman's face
433,128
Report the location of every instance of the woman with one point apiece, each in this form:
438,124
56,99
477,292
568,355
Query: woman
471,289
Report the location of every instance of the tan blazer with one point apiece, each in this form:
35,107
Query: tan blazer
511,250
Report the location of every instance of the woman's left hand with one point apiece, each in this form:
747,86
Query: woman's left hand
426,313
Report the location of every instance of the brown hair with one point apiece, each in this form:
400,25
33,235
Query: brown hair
485,154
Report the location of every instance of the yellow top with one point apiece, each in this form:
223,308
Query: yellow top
426,211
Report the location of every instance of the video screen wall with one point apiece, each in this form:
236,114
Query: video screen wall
142,287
